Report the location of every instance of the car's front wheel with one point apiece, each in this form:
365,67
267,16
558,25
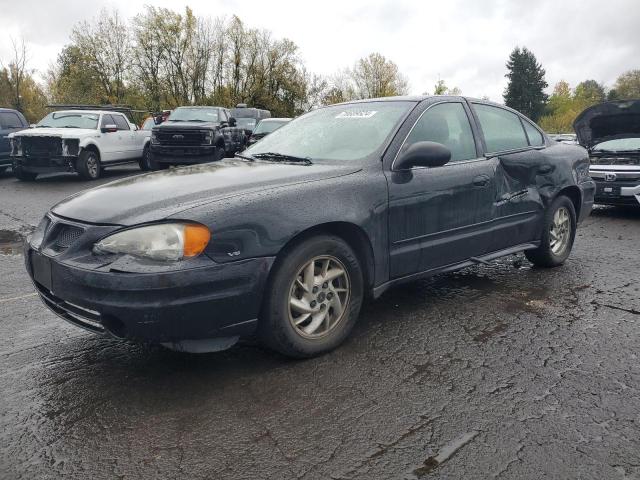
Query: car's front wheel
88,165
314,298
144,162
558,234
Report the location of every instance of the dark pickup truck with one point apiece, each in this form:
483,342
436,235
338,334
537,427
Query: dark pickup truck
11,121
194,135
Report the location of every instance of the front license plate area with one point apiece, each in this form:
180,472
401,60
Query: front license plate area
608,191
41,269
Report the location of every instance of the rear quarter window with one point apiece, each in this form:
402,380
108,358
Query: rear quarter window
535,137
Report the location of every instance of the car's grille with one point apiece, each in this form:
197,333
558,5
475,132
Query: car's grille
62,236
41,146
615,160
181,137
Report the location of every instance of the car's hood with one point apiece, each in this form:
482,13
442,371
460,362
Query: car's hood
155,196
55,132
608,121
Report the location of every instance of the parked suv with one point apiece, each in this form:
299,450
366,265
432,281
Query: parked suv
248,117
11,121
194,135
77,140
611,133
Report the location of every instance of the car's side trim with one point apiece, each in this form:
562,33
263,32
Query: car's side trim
465,227
380,289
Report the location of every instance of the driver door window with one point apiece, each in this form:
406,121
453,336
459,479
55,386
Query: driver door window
448,124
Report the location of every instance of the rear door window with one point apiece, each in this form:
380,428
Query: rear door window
502,129
10,120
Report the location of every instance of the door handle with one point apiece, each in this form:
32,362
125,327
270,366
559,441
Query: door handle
545,169
481,180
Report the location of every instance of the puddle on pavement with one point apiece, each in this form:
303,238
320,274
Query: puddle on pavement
11,242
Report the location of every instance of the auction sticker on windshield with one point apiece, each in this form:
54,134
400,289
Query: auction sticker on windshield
357,114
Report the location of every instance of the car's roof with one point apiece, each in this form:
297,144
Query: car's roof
94,112
199,106
276,119
8,110
420,98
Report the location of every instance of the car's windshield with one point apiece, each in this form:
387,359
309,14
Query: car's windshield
340,132
268,126
194,115
70,120
148,124
619,145
246,122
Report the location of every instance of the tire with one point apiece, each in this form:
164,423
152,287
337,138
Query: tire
218,153
88,165
550,253
153,165
144,161
23,176
2,170
295,333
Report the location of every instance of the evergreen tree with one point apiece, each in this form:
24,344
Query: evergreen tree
525,91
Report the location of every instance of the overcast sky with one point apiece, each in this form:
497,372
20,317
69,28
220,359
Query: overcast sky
464,42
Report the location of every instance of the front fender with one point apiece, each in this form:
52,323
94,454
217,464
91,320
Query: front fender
260,224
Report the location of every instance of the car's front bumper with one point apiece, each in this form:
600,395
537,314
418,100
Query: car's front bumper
45,164
190,304
616,185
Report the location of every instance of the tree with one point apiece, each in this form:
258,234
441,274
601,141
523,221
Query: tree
442,89
627,86
589,93
525,90
375,76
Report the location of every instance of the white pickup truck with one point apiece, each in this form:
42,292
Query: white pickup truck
83,141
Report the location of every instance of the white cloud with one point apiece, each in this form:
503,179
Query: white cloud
465,42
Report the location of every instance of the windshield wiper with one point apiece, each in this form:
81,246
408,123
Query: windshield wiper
245,157
281,157
195,120
175,120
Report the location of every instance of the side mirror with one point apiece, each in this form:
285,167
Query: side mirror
232,122
224,124
110,128
423,154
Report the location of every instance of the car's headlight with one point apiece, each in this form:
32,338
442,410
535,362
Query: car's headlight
154,138
208,137
165,241
16,145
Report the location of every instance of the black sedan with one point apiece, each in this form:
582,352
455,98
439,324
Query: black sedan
286,239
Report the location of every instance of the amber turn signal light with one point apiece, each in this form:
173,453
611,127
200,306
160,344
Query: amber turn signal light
196,238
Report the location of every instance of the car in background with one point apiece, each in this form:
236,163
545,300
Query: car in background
288,238
567,138
194,134
610,131
265,127
11,121
79,140
248,117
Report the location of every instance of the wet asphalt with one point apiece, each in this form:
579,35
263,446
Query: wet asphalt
501,371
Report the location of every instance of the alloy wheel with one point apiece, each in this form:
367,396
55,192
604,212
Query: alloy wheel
92,166
319,297
560,231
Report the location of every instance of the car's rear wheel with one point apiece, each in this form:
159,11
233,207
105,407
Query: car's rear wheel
314,298
558,234
23,176
88,165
